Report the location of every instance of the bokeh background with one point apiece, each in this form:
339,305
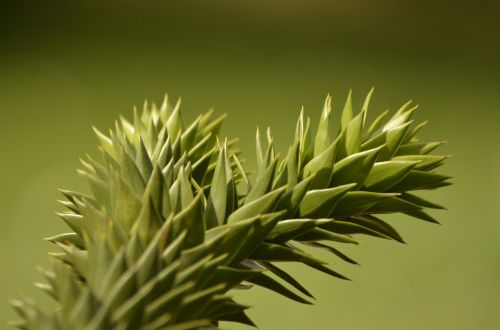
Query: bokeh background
68,65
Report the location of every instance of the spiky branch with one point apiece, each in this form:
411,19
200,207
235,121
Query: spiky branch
173,223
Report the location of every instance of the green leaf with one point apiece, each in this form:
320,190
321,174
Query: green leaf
328,271
188,136
174,248
347,113
354,168
271,284
99,189
318,234
262,205
175,123
287,278
324,136
393,205
67,238
321,167
214,126
393,138
111,274
420,201
366,104
349,228
190,219
384,175
422,215
260,153
411,137
168,301
289,229
356,202
148,222
243,174
377,225
200,168
194,303
292,165
400,117
245,236
418,148
232,276
222,307
425,162
105,142
217,200
74,221
201,147
143,161
131,173
377,123
332,250
320,203
127,205
291,199
276,252
263,184
353,135
419,180
240,317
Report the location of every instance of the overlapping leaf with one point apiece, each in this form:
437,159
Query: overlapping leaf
173,223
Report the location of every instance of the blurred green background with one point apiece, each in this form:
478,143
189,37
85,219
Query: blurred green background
65,66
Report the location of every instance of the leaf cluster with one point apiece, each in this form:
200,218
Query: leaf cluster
173,222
